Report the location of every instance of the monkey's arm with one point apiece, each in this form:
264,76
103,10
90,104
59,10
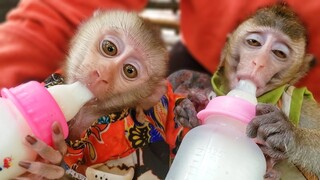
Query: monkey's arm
281,139
305,149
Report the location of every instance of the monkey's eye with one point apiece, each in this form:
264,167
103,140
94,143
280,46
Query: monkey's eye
253,42
108,48
279,54
130,71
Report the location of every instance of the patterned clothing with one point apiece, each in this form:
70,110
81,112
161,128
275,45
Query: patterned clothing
145,141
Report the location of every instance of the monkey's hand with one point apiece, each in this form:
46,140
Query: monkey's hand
47,164
195,85
273,128
185,114
271,173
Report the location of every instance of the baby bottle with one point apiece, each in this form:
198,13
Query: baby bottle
219,148
30,109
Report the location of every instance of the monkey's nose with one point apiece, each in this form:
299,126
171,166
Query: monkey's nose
97,74
98,77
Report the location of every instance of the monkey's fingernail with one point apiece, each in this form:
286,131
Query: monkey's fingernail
56,129
31,139
24,164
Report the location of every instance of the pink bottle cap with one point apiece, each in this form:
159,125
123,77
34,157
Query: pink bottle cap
38,108
230,106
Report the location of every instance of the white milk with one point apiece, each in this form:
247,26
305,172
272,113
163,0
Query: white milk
30,109
219,148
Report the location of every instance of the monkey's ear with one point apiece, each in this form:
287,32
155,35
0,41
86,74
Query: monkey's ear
97,12
311,60
228,36
155,97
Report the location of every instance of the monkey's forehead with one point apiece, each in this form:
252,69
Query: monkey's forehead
128,23
115,18
291,27
249,27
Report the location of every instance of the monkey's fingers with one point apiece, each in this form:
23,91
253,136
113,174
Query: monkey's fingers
180,116
270,129
192,118
48,171
186,114
278,144
265,119
262,108
274,153
275,144
272,174
254,125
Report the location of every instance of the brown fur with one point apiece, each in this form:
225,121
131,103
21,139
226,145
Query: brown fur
300,145
276,28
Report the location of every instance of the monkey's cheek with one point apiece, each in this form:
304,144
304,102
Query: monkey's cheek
93,102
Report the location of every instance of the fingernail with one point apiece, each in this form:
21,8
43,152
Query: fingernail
24,164
56,129
31,139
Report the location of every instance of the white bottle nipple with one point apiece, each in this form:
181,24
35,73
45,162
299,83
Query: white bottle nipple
246,90
70,97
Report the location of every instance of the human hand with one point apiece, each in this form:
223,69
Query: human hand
273,128
49,158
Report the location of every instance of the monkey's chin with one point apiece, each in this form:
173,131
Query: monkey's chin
92,102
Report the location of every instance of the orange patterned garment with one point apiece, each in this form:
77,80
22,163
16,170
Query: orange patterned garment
117,135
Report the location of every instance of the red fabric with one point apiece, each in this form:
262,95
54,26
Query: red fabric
206,23
35,38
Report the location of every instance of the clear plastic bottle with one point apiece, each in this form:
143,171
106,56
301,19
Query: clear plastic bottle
30,109
219,148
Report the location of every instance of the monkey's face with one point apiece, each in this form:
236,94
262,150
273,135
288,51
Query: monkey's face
264,55
119,58
113,65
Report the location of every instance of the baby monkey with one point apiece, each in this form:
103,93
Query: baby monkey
123,61
269,48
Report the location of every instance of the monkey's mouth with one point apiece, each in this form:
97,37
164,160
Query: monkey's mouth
252,79
99,88
97,85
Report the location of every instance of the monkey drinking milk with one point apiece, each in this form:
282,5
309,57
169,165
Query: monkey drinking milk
135,124
269,48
